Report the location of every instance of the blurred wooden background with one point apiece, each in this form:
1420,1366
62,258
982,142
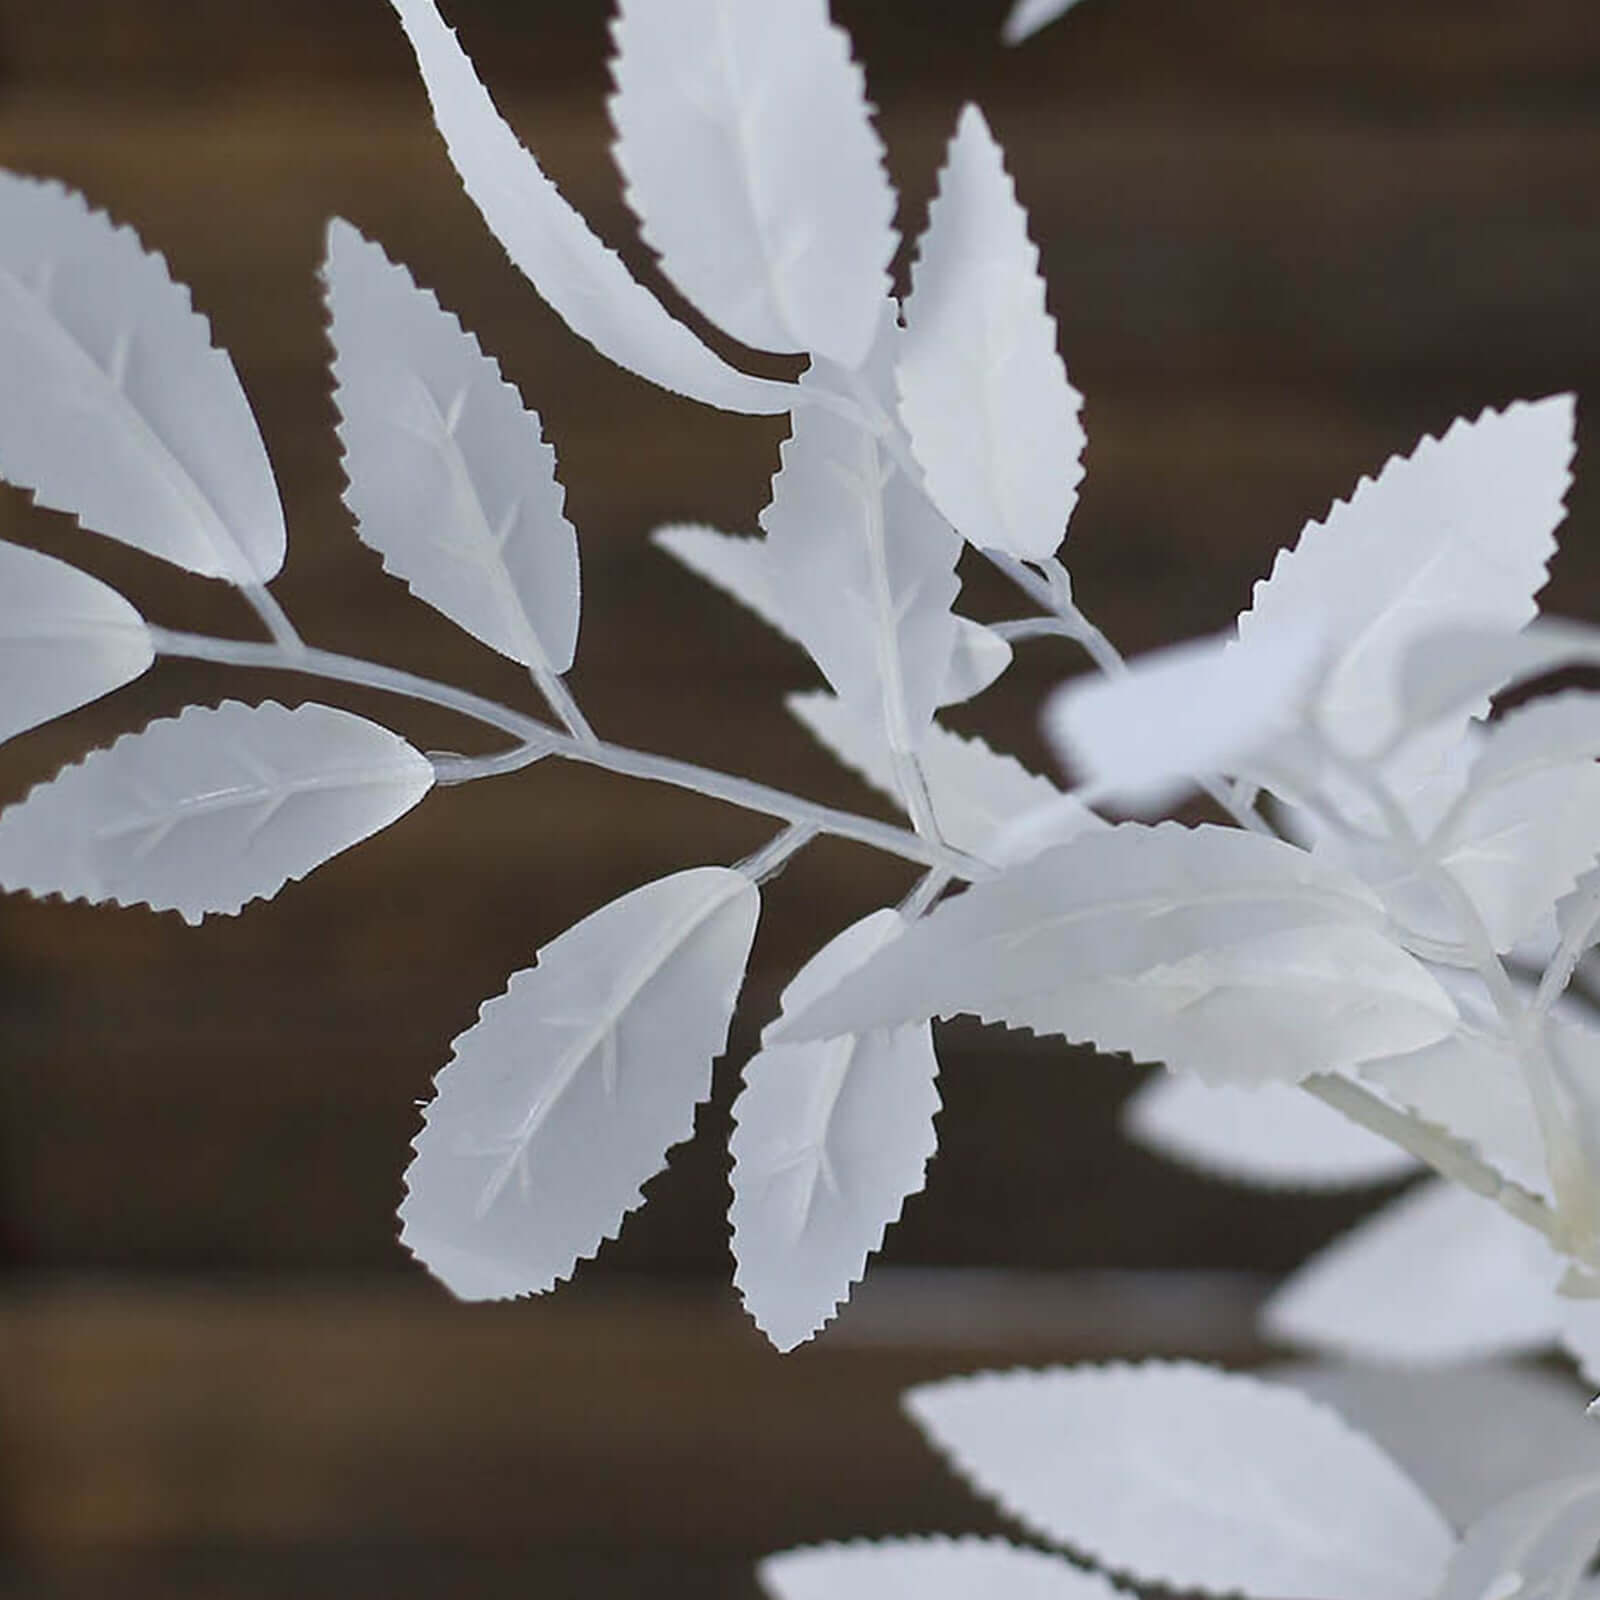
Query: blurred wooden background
1283,237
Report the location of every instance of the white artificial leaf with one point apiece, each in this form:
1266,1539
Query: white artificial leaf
1145,736
450,478
116,407
742,567
203,812
993,421
1457,534
829,1139
1269,1134
1439,1275
1027,17
1192,1478
977,793
749,156
567,1093
582,280
929,1569
1534,1546
1223,953
65,639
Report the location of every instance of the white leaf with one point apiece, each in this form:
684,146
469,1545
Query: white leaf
1534,1546
566,1095
582,280
977,793
1456,534
1029,16
116,406
1439,1275
1553,732
829,1139
203,812
929,1569
993,420
749,156
1192,1478
65,639
1205,706
450,478
1268,1134
743,568
1223,953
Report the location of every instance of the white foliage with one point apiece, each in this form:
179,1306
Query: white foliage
830,1138
1027,17
984,395
203,812
1190,1478
449,477
929,1569
977,793
1222,953
744,137
1535,1546
566,1095
65,639
1268,1134
116,407
581,279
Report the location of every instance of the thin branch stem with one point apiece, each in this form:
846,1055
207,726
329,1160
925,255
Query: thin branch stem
767,862
274,618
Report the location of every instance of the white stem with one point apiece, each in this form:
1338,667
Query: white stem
767,862
273,617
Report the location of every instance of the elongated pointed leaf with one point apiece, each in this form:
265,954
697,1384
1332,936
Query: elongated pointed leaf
1457,534
449,477
116,406
978,794
1222,953
1534,1546
1027,17
1192,1478
993,421
566,1095
65,639
1269,1134
744,136
829,1140
581,279
929,1569
1439,1275
203,812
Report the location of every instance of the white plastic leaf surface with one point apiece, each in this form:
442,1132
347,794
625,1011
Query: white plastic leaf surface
977,793
1027,17
929,1569
1535,1546
1202,707
1271,1135
1192,1478
1223,953
65,639
582,280
566,1094
749,156
1439,1275
1457,534
829,1139
449,476
116,407
204,812
984,395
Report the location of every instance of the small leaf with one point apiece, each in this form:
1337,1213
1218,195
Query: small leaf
744,137
582,280
203,812
1029,16
1192,1478
566,1095
1222,953
450,478
829,1139
929,1569
1267,1134
116,407
983,393
65,639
